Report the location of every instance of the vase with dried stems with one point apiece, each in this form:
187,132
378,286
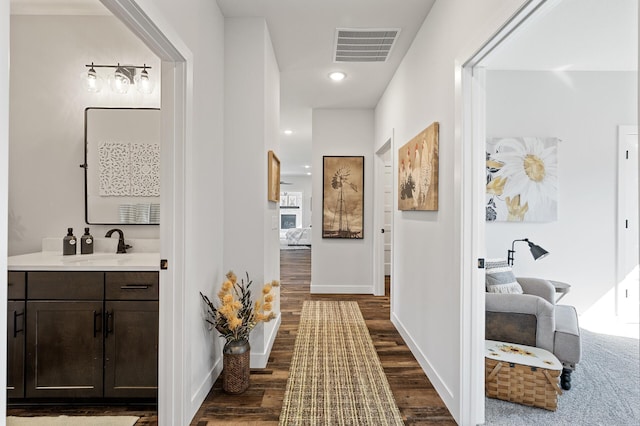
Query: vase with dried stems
234,316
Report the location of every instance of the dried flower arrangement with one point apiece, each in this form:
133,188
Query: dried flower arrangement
237,315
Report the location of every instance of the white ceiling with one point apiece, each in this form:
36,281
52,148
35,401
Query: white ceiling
568,35
303,34
574,35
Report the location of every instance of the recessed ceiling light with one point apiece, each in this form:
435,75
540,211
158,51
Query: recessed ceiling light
306,166
337,76
308,173
288,132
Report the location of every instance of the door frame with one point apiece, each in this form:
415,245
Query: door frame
146,22
470,168
378,217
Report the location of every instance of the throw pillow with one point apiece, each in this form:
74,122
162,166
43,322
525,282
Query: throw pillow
499,277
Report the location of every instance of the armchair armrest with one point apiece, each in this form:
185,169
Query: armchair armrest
538,287
505,313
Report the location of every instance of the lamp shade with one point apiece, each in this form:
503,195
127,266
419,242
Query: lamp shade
536,251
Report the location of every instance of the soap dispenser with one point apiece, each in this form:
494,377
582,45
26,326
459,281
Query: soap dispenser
86,242
69,243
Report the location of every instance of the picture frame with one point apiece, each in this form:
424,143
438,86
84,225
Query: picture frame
273,178
343,197
418,171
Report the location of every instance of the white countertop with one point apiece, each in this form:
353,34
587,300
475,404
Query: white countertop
55,261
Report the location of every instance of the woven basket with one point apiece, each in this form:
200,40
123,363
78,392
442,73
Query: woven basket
235,367
536,387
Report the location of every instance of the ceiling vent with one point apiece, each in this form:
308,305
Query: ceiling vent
364,45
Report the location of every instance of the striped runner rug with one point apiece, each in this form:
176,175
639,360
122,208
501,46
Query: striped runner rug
335,376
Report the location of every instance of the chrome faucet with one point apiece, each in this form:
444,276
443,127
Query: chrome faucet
122,247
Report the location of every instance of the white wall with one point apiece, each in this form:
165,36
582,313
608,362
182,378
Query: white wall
340,265
47,102
583,109
252,105
427,283
301,184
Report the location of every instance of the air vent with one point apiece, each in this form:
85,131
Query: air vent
364,45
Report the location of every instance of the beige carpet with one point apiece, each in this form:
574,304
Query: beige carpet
72,421
335,376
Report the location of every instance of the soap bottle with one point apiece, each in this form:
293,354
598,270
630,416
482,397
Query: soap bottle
86,242
69,243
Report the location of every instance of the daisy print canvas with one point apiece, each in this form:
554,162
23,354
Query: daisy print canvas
522,179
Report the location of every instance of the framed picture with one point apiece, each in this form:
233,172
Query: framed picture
418,171
273,184
343,197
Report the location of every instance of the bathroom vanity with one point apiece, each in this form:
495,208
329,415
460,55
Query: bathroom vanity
83,326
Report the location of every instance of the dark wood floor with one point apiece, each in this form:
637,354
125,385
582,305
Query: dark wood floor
260,404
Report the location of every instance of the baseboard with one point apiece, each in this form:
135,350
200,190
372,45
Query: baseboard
341,289
260,360
198,397
435,379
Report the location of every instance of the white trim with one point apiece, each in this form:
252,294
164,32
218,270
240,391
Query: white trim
260,360
5,36
341,289
378,218
143,19
440,386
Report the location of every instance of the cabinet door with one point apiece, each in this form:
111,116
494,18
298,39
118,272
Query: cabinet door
131,349
64,349
15,349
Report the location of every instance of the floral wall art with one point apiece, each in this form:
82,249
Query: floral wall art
522,179
418,171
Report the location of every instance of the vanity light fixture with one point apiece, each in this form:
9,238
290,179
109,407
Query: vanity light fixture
288,132
337,76
121,79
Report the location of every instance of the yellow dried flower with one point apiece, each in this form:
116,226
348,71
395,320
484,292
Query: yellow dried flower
260,317
266,289
227,299
268,298
236,305
257,305
232,277
221,295
227,285
234,323
267,306
275,283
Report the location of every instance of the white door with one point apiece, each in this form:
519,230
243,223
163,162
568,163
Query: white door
388,212
628,253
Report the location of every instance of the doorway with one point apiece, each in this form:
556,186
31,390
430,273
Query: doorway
383,219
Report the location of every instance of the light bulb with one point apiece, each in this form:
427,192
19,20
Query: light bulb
143,83
119,82
91,81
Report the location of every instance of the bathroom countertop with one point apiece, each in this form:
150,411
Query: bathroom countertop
55,261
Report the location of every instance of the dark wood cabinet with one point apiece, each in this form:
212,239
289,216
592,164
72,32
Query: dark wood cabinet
131,335
82,335
16,293
64,349
15,348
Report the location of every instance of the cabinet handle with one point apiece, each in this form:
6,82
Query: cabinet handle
15,323
109,323
134,287
96,315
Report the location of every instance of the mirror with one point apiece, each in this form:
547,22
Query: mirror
122,166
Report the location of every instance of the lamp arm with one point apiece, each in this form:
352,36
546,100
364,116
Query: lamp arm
510,253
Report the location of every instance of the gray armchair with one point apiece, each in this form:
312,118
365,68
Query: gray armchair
533,319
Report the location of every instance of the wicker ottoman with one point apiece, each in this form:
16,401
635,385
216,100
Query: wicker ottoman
522,374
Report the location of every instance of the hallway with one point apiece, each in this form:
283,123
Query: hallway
260,404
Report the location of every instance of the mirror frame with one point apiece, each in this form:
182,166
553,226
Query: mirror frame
85,166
